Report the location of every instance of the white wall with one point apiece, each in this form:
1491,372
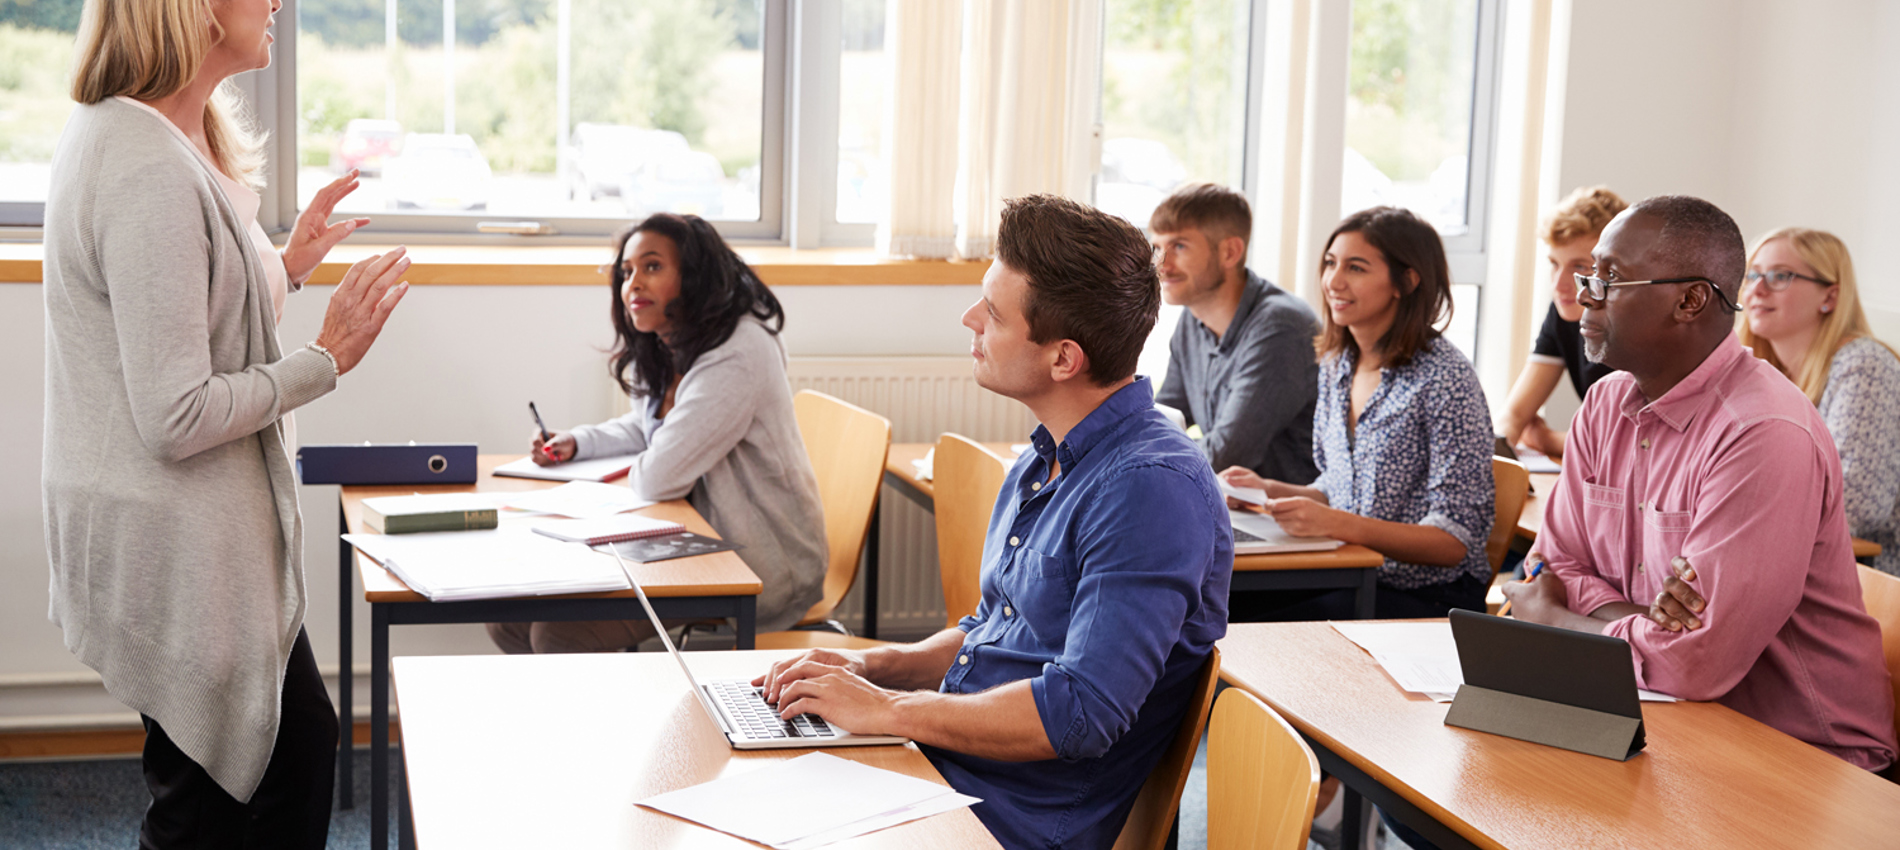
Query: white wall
454,364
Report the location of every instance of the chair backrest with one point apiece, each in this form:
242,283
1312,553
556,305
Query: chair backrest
1514,486
847,446
966,477
1881,593
1262,779
1152,818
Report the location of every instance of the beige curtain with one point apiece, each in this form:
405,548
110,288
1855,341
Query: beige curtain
1025,83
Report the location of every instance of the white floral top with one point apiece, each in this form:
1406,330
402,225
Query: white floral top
1861,406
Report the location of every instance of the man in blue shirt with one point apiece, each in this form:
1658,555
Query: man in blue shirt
1105,571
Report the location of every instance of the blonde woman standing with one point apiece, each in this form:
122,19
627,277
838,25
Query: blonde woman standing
170,501
1803,315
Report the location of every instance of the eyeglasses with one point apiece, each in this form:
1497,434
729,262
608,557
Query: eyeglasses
1598,289
1777,281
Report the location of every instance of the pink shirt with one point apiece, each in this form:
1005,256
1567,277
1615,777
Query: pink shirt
1734,470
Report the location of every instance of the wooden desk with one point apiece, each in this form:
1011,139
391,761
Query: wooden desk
1543,484
1710,777
1351,566
715,586
555,750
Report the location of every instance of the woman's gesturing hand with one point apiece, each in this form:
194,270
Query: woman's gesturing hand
314,236
360,305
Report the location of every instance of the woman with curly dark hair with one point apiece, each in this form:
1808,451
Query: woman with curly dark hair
698,348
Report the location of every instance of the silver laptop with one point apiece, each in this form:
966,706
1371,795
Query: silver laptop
1258,534
750,723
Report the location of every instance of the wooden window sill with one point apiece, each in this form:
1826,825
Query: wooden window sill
466,265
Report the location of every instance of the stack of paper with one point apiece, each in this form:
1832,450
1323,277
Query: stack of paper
593,469
809,801
452,566
1423,658
578,499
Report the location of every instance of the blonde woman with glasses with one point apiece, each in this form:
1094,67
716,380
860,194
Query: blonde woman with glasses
170,501
1803,316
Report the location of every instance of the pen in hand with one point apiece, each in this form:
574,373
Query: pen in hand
546,438
1530,575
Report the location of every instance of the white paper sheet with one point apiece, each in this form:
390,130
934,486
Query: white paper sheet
808,801
1423,657
1250,495
1536,461
580,499
449,566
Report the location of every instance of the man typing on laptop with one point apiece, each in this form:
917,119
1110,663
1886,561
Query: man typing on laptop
1105,569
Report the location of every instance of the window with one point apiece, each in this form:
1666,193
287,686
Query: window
862,189
36,49
1174,111
1420,94
579,114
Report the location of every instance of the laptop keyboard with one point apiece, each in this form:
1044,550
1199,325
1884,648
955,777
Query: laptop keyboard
746,707
1242,535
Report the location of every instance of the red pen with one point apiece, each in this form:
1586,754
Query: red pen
546,437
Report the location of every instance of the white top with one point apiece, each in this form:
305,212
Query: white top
246,203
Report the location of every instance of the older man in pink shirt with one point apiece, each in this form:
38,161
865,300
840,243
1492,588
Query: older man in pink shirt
1700,513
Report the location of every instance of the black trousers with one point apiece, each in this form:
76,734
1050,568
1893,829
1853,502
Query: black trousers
291,806
1285,606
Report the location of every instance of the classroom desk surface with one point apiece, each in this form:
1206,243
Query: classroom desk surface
1544,483
718,585
1710,777
555,750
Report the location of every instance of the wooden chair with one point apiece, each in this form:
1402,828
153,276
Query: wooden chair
1152,819
1881,593
1262,779
966,476
847,446
1513,487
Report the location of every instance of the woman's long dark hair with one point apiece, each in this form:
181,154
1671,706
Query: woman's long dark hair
1410,245
717,290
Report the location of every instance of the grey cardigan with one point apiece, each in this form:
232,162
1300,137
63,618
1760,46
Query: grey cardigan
169,497
730,447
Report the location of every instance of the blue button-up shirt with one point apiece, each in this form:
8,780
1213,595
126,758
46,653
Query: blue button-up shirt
1106,589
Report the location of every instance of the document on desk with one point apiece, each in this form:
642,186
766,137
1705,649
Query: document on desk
578,499
809,801
592,469
1422,657
454,566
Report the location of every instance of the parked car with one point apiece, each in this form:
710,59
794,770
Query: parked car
676,182
365,144
604,154
437,171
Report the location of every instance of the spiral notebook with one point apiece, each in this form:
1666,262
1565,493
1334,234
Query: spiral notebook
613,529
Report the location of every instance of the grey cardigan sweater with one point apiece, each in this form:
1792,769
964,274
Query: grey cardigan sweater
731,448
169,497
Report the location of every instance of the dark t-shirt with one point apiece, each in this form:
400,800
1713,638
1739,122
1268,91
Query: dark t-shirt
1560,339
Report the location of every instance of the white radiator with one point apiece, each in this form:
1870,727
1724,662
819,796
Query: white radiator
923,397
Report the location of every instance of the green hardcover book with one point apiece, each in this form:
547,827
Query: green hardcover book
433,512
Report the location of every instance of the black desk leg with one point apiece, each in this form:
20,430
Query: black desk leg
1364,606
379,727
405,825
867,564
1352,820
748,631
346,664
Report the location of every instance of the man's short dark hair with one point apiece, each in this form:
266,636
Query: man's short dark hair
1091,279
1698,240
1213,209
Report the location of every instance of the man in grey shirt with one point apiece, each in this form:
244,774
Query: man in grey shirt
1241,365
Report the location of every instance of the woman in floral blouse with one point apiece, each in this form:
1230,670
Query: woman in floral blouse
1402,434
1803,315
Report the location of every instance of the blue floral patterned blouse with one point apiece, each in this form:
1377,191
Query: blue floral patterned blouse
1861,406
1421,454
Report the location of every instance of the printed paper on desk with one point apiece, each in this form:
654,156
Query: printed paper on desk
808,801
1422,658
580,500
1250,495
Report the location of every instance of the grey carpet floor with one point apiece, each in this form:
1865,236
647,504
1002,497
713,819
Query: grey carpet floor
94,805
